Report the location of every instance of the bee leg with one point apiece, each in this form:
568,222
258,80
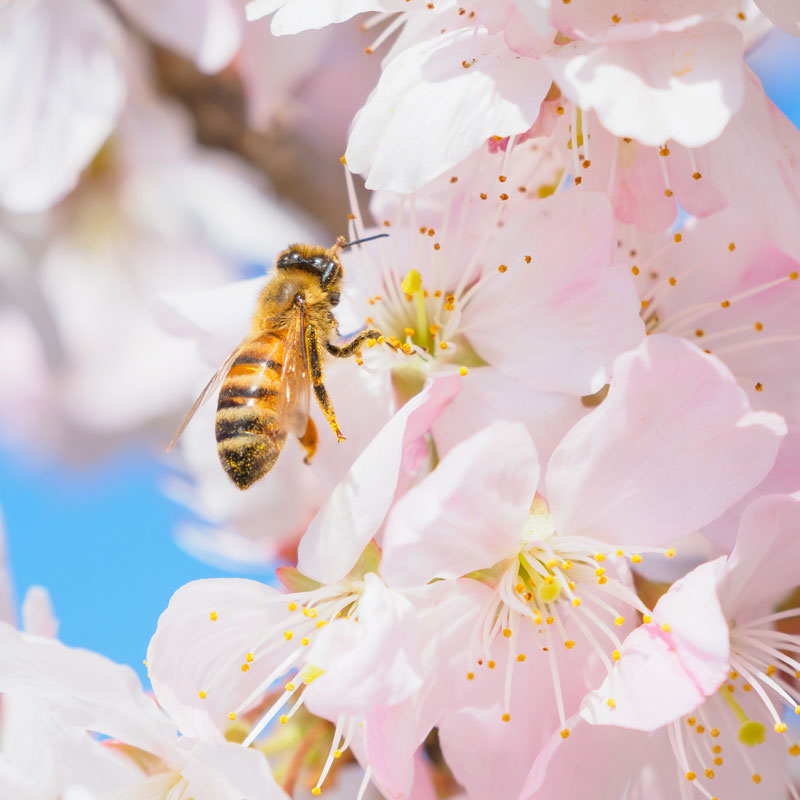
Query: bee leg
353,347
315,367
309,440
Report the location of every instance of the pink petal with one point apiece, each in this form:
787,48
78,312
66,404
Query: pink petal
425,91
662,675
683,86
672,446
763,564
468,514
368,664
358,506
191,653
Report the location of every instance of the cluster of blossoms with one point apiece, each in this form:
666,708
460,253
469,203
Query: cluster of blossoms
557,556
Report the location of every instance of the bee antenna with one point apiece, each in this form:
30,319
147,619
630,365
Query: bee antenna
366,239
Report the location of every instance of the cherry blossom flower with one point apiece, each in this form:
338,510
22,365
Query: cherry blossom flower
704,673
557,567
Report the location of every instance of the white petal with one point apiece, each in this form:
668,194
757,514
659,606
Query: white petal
429,111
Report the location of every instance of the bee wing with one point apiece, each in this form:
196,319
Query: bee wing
294,396
211,387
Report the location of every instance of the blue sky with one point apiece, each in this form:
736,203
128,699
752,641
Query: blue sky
100,539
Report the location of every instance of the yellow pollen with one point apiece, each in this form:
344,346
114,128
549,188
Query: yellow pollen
504,196
288,635
690,721
232,716
576,601
470,676
293,606
690,776
700,729
569,644
635,270
797,709
550,620
716,748
290,687
213,616
443,345
794,750
408,331
602,579
619,553
616,655
304,641
521,657
506,718
725,304
668,192
718,761
615,18
709,773
664,151
567,565
484,195
528,259
201,695
665,627
780,727
490,664
507,632
245,668
758,387
699,333
250,658
636,558
611,702
678,238
759,326
283,719
793,275
316,791
322,623
599,572
715,732
502,268
502,178
647,619
560,110
756,778
670,553
600,557
565,733
696,176
770,669
586,164
462,371
619,621
672,281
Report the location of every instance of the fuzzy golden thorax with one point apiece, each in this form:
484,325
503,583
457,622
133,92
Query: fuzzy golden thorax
312,272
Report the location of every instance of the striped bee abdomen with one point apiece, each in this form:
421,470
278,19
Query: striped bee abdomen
249,438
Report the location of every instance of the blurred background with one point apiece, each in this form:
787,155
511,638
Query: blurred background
218,152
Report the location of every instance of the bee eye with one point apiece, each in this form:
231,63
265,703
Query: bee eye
333,298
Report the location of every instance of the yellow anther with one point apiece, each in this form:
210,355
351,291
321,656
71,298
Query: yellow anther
245,668
569,644
521,657
283,719
310,673
690,721
443,345
797,709
213,616
600,572
709,773
322,623
600,557
673,281
690,776
470,676
550,620
576,601
759,326
462,371
293,606
715,732
611,702
756,778
316,791
619,621
636,558
780,727
794,750
250,658
670,552
770,669
718,761
565,733
290,687
507,632
232,716
647,619
665,627
201,695
549,579
490,664
506,718
304,641
700,729
794,275
337,753
567,565
677,238
602,579
288,635
725,303
620,554
616,655
635,270
412,282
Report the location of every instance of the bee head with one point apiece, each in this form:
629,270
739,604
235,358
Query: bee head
316,260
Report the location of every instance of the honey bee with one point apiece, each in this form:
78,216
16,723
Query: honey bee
266,381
